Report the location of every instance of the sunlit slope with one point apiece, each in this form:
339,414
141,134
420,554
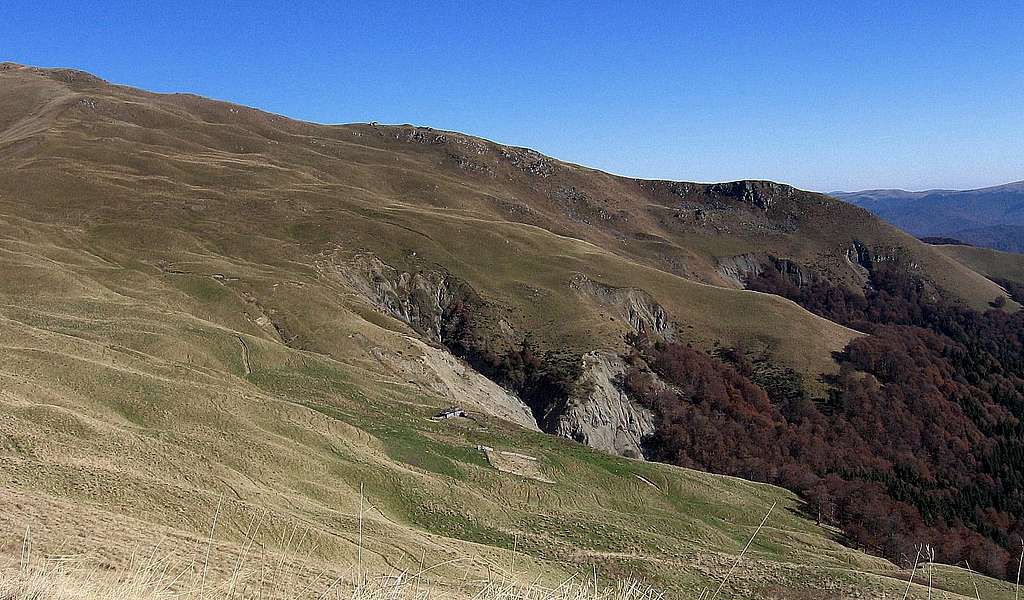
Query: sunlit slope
182,176
131,417
991,263
178,340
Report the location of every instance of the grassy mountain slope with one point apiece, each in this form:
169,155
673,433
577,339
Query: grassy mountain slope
181,337
184,172
990,263
127,424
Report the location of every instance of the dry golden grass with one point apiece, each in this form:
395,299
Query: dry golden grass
158,575
991,263
142,236
142,179
56,583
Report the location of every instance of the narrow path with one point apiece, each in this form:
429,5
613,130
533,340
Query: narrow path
647,481
245,356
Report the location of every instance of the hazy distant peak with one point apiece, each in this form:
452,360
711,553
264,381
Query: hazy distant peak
1016,186
991,217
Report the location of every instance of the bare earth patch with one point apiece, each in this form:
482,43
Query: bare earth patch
516,464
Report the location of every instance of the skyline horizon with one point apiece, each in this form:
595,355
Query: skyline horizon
823,96
512,144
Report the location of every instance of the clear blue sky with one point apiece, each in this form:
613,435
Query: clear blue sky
823,95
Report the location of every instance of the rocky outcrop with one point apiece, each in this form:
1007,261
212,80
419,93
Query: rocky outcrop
632,305
859,254
422,300
759,194
738,269
596,413
600,414
797,274
528,161
418,299
866,257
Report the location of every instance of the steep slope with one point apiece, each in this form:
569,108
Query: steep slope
991,217
206,306
419,199
499,233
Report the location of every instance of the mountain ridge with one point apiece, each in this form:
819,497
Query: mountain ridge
523,161
1011,186
204,302
991,217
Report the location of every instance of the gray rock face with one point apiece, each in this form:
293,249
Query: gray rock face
598,414
454,380
601,415
418,299
792,270
634,306
760,194
740,268
737,269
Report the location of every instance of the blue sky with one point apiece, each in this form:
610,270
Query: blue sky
826,96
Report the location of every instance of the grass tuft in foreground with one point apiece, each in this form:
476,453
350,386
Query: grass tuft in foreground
55,582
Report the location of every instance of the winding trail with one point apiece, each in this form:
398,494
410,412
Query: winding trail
245,356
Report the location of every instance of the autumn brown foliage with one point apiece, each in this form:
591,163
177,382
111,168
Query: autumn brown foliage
920,440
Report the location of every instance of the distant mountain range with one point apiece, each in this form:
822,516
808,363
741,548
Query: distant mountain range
990,217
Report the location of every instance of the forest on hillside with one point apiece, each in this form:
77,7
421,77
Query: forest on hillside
920,441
